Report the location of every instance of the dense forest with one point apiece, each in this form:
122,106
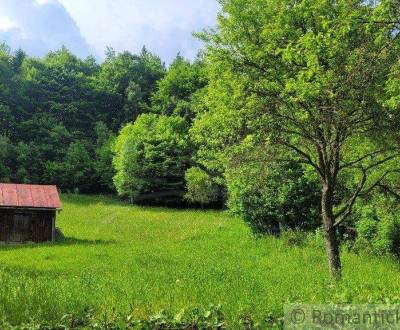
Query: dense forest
289,117
59,114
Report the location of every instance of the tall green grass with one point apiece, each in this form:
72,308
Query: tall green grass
120,259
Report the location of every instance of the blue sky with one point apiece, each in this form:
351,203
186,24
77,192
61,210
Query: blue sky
88,26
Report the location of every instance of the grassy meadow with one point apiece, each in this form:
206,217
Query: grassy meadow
121,259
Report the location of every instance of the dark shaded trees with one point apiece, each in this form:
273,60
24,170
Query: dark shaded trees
51,109
126,82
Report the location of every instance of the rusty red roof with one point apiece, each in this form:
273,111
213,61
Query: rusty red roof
29,196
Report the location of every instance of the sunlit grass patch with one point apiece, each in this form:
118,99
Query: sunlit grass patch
123,259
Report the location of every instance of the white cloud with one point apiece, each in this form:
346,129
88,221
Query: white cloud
6,23
39,26
44,2
164,26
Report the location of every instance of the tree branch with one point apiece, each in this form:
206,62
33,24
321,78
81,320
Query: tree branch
346,210
389,190
371,154
303,154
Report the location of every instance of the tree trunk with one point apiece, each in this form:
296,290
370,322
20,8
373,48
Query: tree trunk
331,240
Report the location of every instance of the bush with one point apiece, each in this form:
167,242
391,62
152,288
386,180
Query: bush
378,229
316,239
272,197
200,187
151,158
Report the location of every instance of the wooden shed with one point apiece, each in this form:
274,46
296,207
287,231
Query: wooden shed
28,212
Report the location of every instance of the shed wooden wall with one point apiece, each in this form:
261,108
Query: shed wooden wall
42,224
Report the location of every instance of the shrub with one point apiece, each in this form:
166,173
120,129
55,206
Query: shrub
151,158
388,235
316,239
378,229
270,197
200,187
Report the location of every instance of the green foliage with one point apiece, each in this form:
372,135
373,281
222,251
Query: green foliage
177,91
151,158
193,318
200,187
305,53
378,228
271,196
6,120
6,154
72,174
222,123
316,239
104,172
51,108
129,81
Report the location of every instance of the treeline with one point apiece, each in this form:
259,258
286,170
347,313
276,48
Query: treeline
64,119
59,114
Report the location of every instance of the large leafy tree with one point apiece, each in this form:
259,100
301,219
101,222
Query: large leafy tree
151,157
177,92
126,82
321,76
104,172
58,86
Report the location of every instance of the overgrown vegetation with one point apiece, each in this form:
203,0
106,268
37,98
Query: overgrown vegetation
118,260
274,198
211,318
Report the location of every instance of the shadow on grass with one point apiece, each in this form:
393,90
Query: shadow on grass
62,241
148,202
87,200
80,241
